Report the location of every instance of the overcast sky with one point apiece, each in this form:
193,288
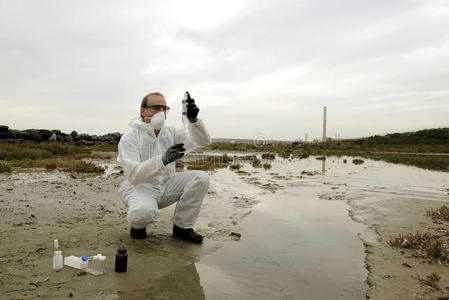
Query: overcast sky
255,68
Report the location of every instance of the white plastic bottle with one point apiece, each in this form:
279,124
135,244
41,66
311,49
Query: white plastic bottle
57,256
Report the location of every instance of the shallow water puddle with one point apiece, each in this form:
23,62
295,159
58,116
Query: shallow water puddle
292,246
300,243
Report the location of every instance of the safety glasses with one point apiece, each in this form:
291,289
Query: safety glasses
158,107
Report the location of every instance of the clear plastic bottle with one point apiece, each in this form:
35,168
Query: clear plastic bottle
57,256
184,111
102,267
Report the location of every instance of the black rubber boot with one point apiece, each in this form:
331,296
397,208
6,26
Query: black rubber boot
138,234
187,234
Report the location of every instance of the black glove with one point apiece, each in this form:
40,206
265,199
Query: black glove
173,153
192,109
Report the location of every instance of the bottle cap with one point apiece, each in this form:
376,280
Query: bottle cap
84,257
121,250
55,244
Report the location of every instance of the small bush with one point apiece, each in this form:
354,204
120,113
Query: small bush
4,167
284,154
441,213
248,157
51,166
256,163
268,156
358,161
267,166
235,167
425,244
83,167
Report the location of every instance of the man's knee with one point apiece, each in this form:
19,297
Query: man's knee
142,215
202,177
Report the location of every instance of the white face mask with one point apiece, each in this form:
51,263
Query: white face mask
157,120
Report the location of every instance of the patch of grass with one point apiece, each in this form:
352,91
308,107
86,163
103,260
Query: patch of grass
268,156
24,151
4,167
67,165
235,167
179,163
208,162
428,162
256,163
424,244
104,148
441,213
267,166
247,157
300,154
284,154
357,161
15,152
80,166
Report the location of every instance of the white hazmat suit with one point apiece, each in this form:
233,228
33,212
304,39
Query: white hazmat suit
149,185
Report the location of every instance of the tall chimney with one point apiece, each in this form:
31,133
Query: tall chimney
324,124
306,138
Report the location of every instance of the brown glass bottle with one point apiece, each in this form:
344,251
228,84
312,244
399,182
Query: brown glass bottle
121,260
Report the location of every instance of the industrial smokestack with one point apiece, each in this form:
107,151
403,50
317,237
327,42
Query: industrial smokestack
324,124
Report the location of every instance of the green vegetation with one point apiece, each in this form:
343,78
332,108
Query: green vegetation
4,167
357,161
235,167
268,156
428,162
67,165
428,140
50,156
439,136
208,162
267,166
179,163
256,163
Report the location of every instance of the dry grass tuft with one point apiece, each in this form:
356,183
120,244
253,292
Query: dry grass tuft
425,245
441,213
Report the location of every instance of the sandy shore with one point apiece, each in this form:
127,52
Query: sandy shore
397,273
87,216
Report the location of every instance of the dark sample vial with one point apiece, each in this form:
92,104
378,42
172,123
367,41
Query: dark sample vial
121,260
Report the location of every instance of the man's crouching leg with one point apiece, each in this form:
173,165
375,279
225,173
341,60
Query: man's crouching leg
142,210
189,189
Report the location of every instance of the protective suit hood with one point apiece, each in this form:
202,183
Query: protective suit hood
138,123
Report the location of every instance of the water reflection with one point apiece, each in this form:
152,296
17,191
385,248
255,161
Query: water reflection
428,162
323,166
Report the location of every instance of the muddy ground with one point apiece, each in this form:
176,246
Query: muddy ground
86,215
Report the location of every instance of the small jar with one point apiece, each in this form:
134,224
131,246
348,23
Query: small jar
121,260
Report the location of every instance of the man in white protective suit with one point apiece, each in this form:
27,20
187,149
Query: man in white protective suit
147,153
